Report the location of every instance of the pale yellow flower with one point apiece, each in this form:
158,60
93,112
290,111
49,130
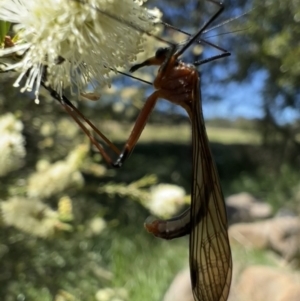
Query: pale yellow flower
165,200
12,148
51,179
75,40
31,216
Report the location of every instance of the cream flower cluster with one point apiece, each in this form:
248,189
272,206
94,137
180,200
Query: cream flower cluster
12,148
111,294
51,179
73,42
31,216
165,200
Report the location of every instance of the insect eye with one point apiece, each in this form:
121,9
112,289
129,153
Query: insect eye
161,52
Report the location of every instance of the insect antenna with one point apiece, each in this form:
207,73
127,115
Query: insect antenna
123,21
131,76
200,40
194,38
171,44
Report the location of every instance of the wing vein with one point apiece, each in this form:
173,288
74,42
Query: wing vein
210,254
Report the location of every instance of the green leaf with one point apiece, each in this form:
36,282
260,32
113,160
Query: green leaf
4,28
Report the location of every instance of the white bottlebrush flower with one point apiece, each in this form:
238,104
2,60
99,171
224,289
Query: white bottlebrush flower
52,179
105,294
96,226
165,200
110,294
12,148
30,216
12,152
55,179
9,123
74,39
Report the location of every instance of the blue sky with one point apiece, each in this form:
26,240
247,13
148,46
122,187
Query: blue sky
237,99
244,100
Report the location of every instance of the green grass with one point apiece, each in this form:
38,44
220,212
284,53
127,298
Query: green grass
144,265
280,189
232,136
180,133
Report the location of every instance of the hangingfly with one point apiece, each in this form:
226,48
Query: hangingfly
205,221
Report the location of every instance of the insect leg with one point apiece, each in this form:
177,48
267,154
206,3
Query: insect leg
133,138
137,129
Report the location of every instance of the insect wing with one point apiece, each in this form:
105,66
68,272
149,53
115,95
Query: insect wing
210,254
